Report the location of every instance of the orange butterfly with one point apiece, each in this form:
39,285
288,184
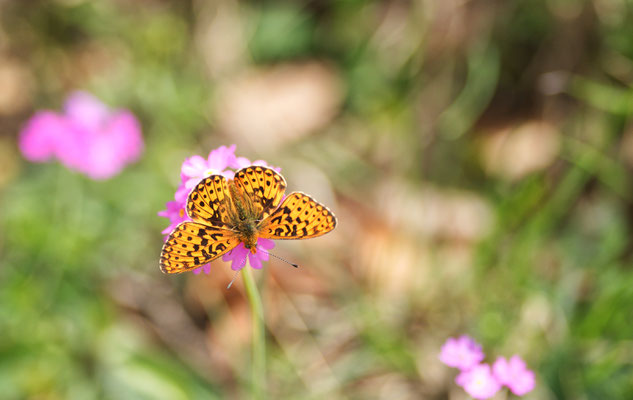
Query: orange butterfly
241,210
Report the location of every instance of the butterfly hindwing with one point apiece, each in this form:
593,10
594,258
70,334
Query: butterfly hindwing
209,201
263,185
298,217
192,245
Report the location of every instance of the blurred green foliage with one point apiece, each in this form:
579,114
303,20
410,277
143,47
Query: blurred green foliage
85,312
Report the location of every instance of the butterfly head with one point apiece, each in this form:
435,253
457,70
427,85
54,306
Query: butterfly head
250,242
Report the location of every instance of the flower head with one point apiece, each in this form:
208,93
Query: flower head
514,374
87,137
479,382
222,161
463,353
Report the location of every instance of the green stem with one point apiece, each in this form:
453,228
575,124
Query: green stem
258,378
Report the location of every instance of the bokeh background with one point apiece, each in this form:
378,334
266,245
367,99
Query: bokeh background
477,153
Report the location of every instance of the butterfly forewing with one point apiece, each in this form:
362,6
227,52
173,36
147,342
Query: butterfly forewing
263,185
298,217
209,201
192,245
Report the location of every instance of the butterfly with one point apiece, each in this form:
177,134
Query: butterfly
225,213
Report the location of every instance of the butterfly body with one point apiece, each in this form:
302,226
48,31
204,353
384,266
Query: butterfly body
241,210
243,217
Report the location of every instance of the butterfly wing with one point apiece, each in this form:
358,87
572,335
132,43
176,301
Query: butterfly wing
298,217
209,201
192,245
263,185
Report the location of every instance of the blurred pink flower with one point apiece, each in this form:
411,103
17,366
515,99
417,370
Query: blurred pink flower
87,137
463,353
222,161
478,382
514,374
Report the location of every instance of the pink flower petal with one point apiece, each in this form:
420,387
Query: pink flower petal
478,382
175,214
220,158
205,268
254,261
86,111
40,138
265,243
241,162
237,256
126,130
192,182
193,166
107,150
181,195
514,374
462,353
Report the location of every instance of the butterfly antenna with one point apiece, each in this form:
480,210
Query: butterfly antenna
233,280
271,254
235,276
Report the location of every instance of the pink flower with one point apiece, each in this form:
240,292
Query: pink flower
514,375
478,382
463,353
222,161
87,137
